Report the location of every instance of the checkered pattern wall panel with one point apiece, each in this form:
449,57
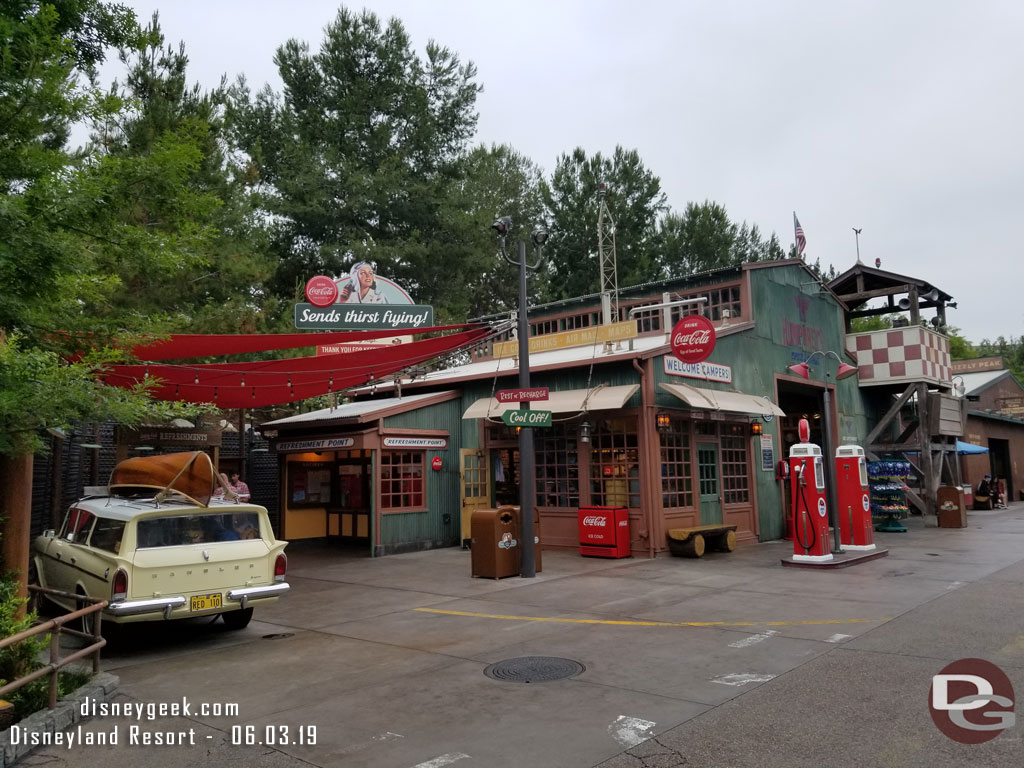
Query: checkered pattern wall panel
901,355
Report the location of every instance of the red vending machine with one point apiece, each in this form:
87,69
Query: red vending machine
853,498
604,531
810,510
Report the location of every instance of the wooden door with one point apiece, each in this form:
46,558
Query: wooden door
474,487
709,484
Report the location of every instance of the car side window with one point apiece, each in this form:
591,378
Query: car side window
107,534
76,529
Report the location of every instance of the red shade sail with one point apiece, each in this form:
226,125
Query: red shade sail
274,382
205,344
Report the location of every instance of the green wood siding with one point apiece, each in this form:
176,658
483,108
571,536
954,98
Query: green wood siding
408,531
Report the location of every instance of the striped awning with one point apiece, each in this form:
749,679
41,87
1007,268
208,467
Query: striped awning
717,400
603,398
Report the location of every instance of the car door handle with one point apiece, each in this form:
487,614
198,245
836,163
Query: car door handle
73,561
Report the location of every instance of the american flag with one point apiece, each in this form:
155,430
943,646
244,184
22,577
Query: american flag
801,240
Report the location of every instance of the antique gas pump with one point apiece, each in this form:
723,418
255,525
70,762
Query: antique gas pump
853,498
810,510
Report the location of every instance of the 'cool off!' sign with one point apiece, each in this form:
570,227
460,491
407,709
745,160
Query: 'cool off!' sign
527,418
707,371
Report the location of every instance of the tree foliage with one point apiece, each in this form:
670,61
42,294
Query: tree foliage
73,225
635,200
356,157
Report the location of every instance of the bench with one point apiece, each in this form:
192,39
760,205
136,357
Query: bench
691,542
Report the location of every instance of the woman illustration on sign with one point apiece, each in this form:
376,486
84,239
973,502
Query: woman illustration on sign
362,287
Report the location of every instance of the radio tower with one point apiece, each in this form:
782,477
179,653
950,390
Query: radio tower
606,254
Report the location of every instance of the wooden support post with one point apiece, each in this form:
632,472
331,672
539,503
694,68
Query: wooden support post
929,488
16,510
889,415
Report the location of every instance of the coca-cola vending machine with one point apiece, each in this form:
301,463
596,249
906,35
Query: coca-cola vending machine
604,531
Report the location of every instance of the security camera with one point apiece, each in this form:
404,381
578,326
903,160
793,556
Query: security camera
539,237
502,225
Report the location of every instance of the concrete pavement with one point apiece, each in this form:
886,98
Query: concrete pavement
730,660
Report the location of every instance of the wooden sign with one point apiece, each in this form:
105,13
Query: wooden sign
521,395
527,418
594,335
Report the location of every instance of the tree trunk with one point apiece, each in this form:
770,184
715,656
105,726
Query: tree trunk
16,510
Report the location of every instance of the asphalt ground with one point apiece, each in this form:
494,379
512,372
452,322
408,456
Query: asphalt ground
730,660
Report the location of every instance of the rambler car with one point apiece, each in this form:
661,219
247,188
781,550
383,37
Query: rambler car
159,544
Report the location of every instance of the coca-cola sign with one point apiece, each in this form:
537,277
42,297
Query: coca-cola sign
595,520
693,339
321,291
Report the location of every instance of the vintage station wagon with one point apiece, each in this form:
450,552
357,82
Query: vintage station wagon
164,555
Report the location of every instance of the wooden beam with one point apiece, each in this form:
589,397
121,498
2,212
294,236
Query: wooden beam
865,295
893,410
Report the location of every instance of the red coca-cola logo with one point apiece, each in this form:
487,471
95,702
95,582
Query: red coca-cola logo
321,291
595,520
693,339
436,463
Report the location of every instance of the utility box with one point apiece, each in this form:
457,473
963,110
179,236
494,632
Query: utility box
604,531
495,549
952,507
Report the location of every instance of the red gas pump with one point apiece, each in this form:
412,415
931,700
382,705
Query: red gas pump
854,500
810,510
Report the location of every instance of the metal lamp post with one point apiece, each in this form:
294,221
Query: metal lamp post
527,461
845,371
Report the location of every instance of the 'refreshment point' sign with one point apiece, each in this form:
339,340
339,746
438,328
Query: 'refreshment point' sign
693,339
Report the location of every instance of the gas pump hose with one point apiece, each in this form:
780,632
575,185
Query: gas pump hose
796,528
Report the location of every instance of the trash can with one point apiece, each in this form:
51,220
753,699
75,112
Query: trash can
515,510
952,509
495,548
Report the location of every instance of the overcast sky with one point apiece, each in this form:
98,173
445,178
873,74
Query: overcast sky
903,119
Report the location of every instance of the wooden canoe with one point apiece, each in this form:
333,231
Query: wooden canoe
189,474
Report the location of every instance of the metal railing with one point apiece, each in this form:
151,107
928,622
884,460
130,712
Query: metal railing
57,627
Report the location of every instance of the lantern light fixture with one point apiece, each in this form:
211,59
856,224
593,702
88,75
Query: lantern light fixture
585,432
663,421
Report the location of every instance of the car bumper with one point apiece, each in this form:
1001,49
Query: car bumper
175,607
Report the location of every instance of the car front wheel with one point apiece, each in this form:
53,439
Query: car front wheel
237,619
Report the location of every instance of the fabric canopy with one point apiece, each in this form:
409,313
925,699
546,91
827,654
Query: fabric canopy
181,345
273,382
601,398
968,448
716,400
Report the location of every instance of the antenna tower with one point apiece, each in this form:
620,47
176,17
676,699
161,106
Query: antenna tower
606,254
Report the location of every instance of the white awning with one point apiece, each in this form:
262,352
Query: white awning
716,400
566,401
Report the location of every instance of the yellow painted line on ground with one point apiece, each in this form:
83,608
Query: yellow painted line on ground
651,623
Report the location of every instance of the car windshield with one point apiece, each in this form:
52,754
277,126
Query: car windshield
202,528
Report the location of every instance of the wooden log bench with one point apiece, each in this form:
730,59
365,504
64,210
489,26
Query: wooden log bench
692,542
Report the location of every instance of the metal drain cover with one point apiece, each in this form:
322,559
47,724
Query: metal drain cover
534,669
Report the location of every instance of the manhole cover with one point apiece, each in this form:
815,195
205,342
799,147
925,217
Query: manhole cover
279,636
534,669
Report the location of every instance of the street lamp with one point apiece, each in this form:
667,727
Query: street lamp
527,463
844,372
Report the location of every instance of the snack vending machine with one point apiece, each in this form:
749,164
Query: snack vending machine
807,494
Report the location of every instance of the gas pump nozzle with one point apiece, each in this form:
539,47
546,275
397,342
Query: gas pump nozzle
800,474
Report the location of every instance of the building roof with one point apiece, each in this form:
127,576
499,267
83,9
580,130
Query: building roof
875,279
975,383
996,416
366,410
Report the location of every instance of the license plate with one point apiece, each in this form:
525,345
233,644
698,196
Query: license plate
205,602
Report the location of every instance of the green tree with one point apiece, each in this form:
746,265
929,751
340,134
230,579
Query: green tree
354,160
700,239
222,289
635,201
493,182
70,225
